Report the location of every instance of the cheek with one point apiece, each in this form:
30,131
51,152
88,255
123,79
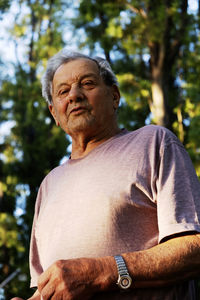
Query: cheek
101,102
57,115
104,111
61,108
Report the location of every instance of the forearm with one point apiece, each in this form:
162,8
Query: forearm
167,263
164,264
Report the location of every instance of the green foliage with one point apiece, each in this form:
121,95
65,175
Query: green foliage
4,5
147,42
9,233
141,33
12,248
35,145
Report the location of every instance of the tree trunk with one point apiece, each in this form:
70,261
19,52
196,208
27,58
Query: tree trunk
158,106
164,54
159,97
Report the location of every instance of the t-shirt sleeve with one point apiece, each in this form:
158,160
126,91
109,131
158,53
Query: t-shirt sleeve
34,259
178,191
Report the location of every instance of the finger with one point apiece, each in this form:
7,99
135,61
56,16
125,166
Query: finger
43,280
16,298
47,292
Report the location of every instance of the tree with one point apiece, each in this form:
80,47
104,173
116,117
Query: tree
145,40
35,145
153,48
4,5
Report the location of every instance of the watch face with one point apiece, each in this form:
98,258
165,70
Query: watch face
125,281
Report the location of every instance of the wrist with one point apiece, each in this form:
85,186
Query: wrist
124,279
106,275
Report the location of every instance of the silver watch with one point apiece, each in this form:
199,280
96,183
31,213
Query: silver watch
124,280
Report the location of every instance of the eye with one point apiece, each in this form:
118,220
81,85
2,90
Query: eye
88,84
63,92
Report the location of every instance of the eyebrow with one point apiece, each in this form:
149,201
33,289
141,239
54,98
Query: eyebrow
88,75
81,78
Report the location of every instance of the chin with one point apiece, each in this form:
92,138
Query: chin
80,125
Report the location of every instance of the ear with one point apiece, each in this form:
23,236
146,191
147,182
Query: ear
116,96
53,113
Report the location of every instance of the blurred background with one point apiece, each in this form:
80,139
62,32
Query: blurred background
154,48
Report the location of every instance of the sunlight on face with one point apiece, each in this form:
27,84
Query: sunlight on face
81,100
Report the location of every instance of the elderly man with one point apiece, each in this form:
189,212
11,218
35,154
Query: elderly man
119,219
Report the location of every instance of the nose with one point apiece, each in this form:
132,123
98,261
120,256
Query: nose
75,94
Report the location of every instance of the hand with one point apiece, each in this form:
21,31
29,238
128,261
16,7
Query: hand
70,279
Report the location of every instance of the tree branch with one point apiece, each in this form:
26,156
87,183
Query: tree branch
31,45
176,44
15,40
138,11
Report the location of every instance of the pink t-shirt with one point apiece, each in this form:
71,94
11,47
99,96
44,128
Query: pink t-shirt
126,195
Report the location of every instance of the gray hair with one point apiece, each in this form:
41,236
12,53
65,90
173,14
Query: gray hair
65,56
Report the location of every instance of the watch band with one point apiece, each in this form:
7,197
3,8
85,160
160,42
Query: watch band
124,280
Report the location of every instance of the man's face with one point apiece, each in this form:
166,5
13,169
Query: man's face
81,100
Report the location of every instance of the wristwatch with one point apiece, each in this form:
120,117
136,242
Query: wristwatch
124,280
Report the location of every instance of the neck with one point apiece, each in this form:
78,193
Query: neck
83,144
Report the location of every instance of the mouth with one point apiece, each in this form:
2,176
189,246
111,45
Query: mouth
78,110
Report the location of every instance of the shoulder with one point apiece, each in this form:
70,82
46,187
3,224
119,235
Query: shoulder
152,140
152,130
57,172
154,134
50,180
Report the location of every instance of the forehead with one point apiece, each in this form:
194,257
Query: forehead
74,69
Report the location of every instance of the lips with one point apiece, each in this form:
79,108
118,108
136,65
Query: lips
77,109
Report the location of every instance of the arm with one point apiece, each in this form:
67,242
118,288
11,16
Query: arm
172,261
